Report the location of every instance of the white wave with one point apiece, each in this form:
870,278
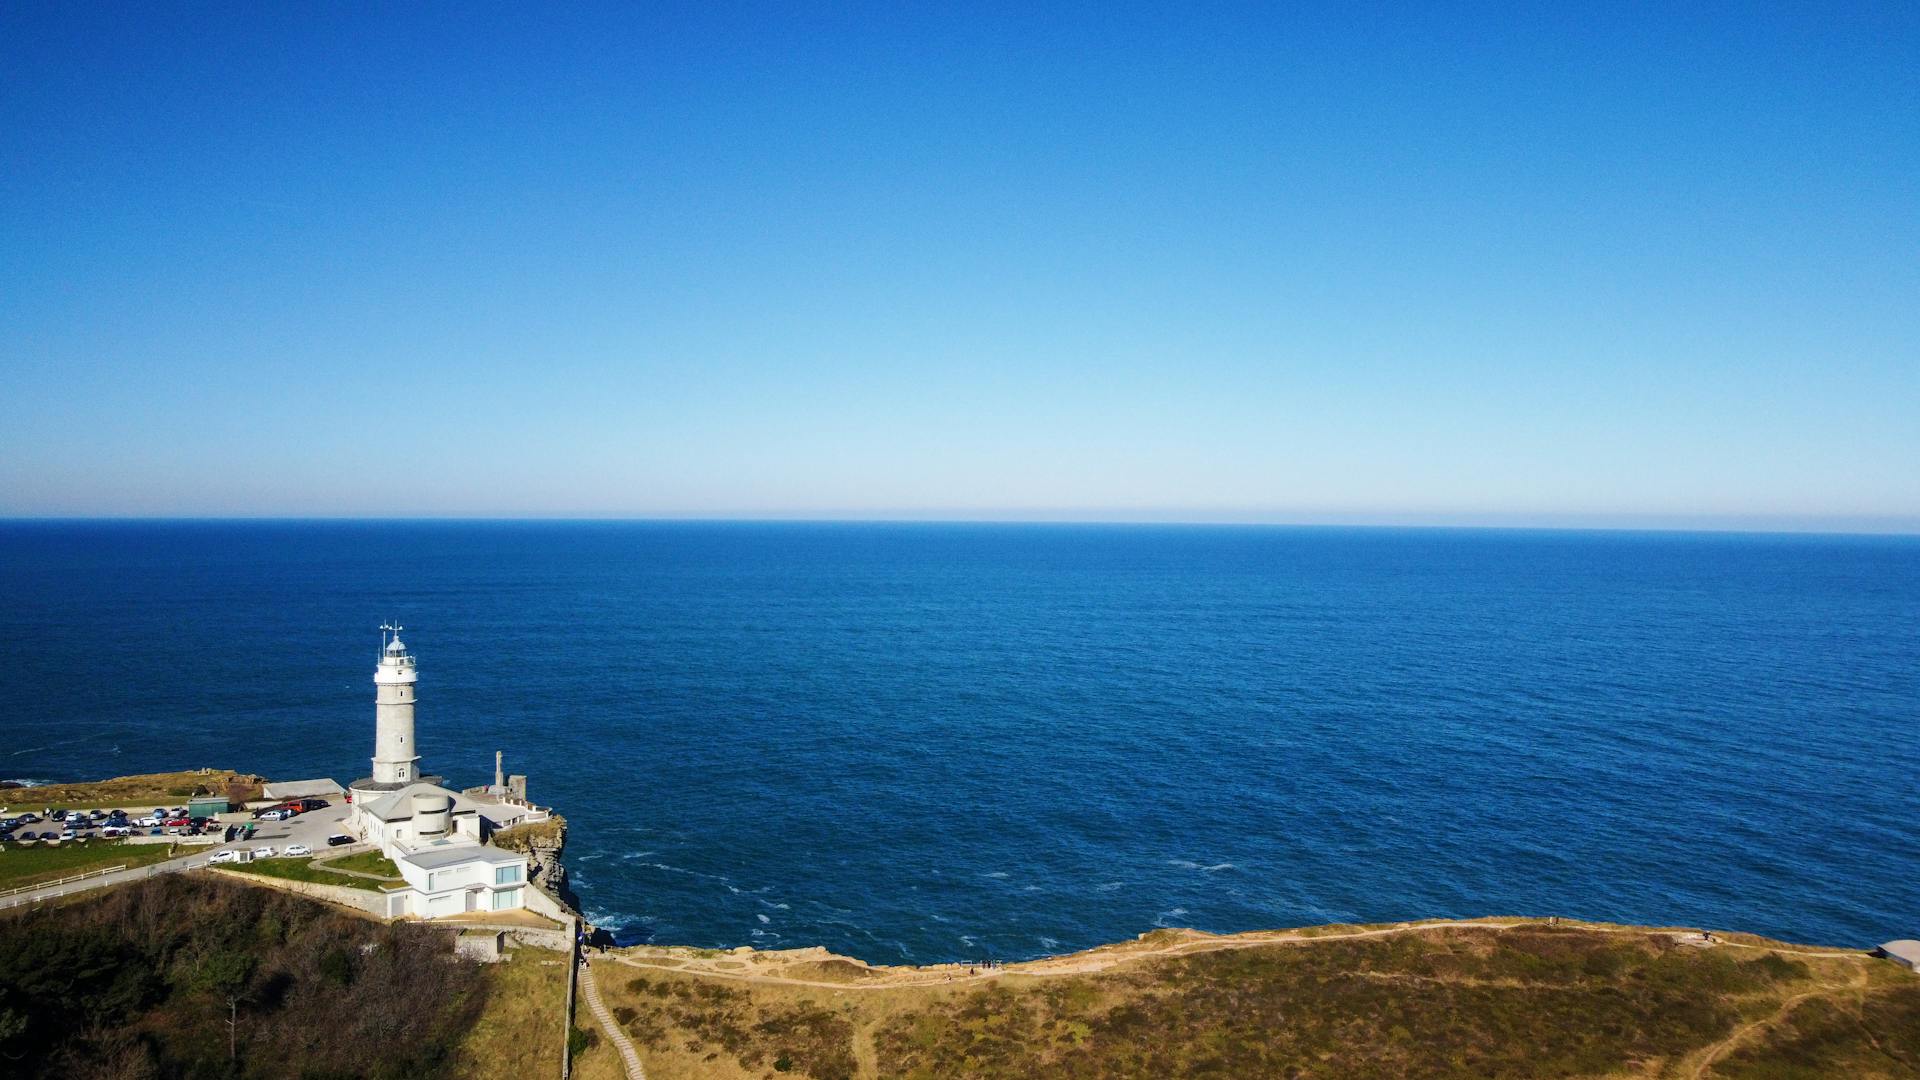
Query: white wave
1166,918
1049,943
996,874
763,920
638,854
1108,887
1217,867
612,920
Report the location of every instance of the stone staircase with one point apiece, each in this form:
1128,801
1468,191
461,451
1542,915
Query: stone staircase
599,1009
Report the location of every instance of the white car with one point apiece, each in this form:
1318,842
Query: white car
274,815
148,822
297,849
225,856
264,852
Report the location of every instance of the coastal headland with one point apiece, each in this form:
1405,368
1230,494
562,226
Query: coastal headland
1487,997
1491,997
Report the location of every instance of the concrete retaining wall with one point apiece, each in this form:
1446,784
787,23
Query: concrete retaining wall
373,903
537,901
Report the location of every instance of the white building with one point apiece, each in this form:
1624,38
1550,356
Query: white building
436,837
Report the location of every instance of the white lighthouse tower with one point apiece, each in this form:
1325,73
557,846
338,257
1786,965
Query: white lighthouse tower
395,757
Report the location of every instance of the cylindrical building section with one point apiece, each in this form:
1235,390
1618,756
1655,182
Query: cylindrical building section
432,816
395,760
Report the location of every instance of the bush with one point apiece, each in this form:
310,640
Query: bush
580,1040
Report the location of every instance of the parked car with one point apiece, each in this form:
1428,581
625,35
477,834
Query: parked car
116,831
225,856
156,831
297,849
310,805
275,814
146,822
57,815
265,852
179,819
339,838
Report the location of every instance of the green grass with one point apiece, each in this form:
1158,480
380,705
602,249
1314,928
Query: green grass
367,862
301,870
27,864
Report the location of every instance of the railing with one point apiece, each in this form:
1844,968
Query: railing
92,879
38,885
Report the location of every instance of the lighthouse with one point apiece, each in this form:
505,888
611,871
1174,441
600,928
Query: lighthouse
395,757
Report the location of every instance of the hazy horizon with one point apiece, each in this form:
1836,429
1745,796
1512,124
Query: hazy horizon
1733,524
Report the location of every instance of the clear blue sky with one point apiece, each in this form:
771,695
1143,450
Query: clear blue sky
1527,264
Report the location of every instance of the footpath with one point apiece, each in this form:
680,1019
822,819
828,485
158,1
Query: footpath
635,1071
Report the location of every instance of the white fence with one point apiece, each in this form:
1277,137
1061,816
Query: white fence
92,879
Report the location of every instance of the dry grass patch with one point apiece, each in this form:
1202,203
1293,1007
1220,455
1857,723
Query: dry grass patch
143,789
1461,1001
522,838
519,1032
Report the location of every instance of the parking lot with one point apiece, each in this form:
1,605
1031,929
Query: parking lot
311,829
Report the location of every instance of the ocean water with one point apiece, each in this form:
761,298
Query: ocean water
936,742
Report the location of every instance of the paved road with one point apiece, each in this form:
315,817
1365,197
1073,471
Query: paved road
309,829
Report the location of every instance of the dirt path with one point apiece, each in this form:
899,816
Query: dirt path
1747,1031
1091,963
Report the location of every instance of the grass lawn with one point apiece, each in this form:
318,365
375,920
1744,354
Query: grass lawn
27,864
300,870
519,1032
367,862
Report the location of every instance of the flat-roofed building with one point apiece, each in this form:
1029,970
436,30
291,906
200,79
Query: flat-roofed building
1905,952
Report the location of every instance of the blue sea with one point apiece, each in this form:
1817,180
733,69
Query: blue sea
921,742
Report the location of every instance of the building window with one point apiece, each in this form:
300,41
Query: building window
506,875
506,898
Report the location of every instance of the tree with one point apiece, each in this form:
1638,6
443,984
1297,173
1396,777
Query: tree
224,974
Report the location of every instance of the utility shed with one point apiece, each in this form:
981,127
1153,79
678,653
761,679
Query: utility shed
302,789
1905,952
482,945
207,805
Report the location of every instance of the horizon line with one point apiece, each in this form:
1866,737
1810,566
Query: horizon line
1726,524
